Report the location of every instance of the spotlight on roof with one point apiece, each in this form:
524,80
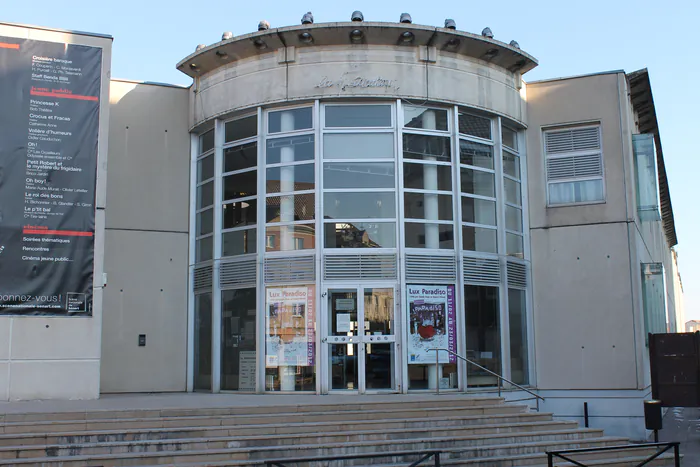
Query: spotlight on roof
226,36
306,38
515,44
453,43
308,18
263,25
357,16
490,54
356,35
407,37
194,67
200,47
450,24
259,44
405,18
487,33
221,55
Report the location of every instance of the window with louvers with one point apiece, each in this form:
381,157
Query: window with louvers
574,161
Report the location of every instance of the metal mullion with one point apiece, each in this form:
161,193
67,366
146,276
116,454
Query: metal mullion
238,229
241,199
475,196
216,344
481,226
364,160
261,293
511,151
206,208
476,167
241,171
512,205
424,132
429,221
240,142
346,130
319,357
475,139
515,232
194,148
460,317
359,190
204,182
424,162
289,164
200,237
289,193
282,224
359,219
205,154
290,134
510,177
400,308
428,192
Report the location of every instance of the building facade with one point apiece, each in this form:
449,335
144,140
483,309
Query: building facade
327,204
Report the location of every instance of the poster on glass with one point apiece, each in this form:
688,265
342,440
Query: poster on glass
431,317
290,339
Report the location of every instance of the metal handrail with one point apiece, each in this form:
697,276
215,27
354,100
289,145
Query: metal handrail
500,378
425,455
666,447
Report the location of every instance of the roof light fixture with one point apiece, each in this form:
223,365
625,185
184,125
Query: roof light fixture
226,36
306,38
356,35
357,16
407,37
515,44
308,18
263,25
405,18
487,33
450,24
200,47
259,44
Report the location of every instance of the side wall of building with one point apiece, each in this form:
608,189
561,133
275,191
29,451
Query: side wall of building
147,240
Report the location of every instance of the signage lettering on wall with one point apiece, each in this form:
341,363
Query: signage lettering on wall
349,81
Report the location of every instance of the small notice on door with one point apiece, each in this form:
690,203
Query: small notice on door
246,371
342,322
345,304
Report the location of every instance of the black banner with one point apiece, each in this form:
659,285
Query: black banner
49,120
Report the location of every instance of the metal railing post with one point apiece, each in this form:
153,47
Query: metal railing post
550,460
676,455
437,459
437,372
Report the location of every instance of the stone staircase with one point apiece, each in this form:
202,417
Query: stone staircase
468,431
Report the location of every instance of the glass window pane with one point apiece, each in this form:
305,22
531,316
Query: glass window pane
240,214
512,190
514,245
353,116
584,191
238,349
427,177
434,236
479,155
473,125
290,120
290,237
205,168
240,157
290,178
478,211
511,165
286,150
428,206
205,195
206,141
239,242
421,117
359,175
204,250
479,239
483,334
358,146
205,222
428,148
360,235
514,219
290,208
241,129
240,185
477,182
510,138
517,319
359,205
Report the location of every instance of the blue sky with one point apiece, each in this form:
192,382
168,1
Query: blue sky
568,38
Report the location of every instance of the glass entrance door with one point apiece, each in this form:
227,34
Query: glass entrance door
361,339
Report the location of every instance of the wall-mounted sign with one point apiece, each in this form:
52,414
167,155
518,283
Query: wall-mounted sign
349,81
432,323
290,325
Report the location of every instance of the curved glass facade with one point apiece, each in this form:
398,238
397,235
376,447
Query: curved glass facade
337,243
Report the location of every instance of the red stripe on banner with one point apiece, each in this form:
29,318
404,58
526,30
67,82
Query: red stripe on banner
66,233
62,95
5,45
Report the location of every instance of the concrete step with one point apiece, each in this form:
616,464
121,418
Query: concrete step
473,424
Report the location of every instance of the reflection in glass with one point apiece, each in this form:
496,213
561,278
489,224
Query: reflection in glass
512,190
583,191
511,165
422,176
202,342
238,349
478,211
381,205
483,334
240,185
427,148
290,120
242,128
514,219
510,138
205,222
479,239
344,369
300,206
421,117
477,182
358,146
514,245
517,320
239,242
379,366
343,312
418,376
240,157
206,142
204,249
478,155
353,116
359,175
290,237
205,195
240,213
379,311
290,178
286,150
205,168
473,125
428,206
435,236
360,235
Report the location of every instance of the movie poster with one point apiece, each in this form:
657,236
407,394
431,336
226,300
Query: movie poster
290,323
432,323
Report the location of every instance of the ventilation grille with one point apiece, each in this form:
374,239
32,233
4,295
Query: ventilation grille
574,166
288,270
237,273
517,275
574,139
430,268
481,271
203,277
350,267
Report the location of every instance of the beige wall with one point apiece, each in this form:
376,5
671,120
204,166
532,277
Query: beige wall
146,251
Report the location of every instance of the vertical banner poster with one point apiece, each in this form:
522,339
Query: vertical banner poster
290,322
432,323
49,122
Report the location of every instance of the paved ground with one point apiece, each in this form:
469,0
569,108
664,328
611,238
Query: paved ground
683,424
